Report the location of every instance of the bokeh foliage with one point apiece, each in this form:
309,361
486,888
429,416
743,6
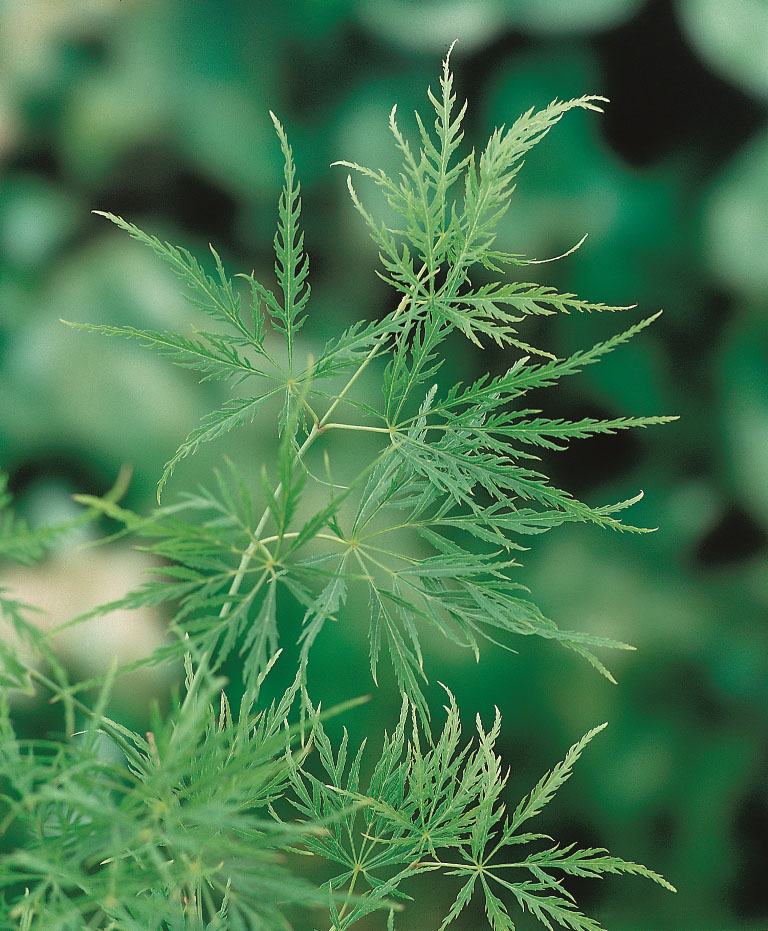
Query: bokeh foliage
158,110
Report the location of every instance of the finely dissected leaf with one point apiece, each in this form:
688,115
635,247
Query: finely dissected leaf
216,355
548,785
489,185
325,606
460,464
462,900
292,263
493,392
185,817
234,413
216,296
435,805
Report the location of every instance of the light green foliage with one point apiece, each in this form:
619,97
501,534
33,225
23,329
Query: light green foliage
123,831
436,805
181,829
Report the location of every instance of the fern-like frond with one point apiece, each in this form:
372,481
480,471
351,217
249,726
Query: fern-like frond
180,827
436,806
215,355
291,261
216,296
222,355
234,413
488,185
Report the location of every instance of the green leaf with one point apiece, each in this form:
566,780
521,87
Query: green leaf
216,296
292,263
548,785
214,354
234,413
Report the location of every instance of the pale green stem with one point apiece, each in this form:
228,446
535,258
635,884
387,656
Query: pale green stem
294,534
345,906
467,866
353,426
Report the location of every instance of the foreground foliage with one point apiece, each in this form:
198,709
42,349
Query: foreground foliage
200,823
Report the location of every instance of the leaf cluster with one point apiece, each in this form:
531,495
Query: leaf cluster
436,806
172,830
191,826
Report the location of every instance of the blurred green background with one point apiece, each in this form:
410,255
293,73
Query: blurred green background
157,110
